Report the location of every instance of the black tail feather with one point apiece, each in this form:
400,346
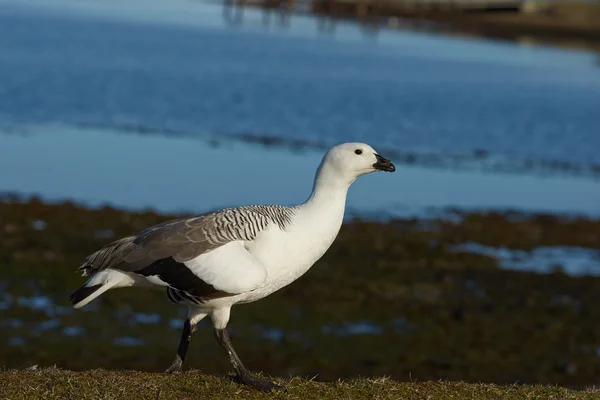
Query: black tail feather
82,293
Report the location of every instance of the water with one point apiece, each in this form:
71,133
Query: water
574,261
183,174
182,70
77,84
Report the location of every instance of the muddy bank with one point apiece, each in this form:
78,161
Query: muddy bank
394,299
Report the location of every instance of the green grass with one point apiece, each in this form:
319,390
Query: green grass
52,383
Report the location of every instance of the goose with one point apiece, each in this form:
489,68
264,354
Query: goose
232,256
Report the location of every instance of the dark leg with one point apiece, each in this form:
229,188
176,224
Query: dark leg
184,343
242,373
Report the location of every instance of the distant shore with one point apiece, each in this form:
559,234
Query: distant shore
573,24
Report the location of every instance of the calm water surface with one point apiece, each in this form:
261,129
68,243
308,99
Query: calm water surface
76,75
174,174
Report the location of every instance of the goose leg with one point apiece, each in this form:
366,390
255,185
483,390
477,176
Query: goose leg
189,327
220,318
184,343
242,373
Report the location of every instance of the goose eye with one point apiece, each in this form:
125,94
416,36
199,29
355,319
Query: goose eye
358,151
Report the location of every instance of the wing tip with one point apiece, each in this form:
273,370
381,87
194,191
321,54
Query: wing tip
81,296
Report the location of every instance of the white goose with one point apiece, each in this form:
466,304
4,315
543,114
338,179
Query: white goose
237,255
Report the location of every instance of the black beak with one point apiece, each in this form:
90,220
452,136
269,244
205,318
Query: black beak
383,164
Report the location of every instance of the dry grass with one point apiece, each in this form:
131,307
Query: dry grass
52,383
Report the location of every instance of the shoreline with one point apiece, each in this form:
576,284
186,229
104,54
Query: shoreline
561,25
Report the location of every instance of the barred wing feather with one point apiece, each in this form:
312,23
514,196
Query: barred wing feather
210,245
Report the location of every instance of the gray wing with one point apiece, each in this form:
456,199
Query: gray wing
187,238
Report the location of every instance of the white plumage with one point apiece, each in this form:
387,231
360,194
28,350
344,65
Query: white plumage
213,261
230,268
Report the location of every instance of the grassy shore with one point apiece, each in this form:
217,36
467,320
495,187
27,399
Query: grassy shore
54,383
391,298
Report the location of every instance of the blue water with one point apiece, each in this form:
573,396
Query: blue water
574,261
81,78
402,91
184,174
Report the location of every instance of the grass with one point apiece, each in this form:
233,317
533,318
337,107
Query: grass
53,383
388,299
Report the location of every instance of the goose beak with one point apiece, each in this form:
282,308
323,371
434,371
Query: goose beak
383,164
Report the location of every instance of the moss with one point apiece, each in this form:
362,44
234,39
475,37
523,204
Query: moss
52,383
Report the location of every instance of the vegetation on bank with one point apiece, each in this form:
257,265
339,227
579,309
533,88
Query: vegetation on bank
52,383
389,298
560,22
